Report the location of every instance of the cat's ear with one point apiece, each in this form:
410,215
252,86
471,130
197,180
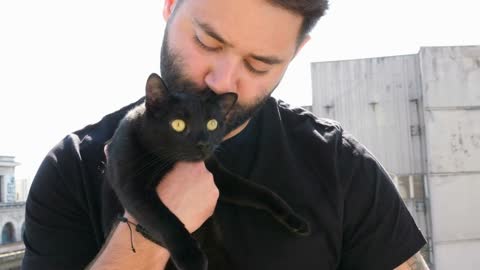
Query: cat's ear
155,91
226,102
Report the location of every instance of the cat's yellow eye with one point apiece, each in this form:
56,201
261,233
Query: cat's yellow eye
212,125
178,125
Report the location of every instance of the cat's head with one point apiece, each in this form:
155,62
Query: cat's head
181,125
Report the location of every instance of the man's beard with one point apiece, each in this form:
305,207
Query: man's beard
175,80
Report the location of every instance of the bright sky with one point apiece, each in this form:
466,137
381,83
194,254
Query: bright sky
65,64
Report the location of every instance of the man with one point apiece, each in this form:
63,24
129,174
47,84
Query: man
357,219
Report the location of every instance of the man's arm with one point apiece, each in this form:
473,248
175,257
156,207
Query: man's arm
414,263
117,251
379,231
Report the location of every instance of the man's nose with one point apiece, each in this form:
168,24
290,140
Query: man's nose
223,76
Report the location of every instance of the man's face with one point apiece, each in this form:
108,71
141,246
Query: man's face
224,46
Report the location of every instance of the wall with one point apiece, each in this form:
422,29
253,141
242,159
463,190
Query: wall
451,90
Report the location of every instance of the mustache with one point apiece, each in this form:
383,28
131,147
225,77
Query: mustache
182,86
186,86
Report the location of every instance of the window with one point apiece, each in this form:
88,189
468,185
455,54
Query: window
1,189
411,187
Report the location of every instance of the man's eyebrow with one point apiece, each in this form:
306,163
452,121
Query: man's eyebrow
271,60
208,29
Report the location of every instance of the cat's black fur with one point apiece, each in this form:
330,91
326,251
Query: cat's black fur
145,147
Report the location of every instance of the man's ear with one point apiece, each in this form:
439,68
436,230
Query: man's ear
168,7
302,43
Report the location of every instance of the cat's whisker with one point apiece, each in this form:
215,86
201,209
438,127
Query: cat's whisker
145,155
146,165
166,160
218,149
157,170
145,162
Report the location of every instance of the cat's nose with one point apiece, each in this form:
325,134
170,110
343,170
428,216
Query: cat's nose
204,147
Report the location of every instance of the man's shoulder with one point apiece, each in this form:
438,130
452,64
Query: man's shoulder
87,143
103,130
299,121
317,137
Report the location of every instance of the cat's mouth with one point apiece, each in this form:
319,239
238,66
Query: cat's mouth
203,152
199,156
199,152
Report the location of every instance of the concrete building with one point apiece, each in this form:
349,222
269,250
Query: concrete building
12,217
420,116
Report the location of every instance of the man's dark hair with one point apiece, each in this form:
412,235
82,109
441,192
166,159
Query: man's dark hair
310,10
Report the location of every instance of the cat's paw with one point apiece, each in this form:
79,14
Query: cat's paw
298,225
190,259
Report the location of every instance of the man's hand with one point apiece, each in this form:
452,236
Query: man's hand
414,263
189,191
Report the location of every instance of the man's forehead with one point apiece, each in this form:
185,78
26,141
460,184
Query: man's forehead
252,24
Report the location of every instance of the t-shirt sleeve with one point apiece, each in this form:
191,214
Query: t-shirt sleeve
378,230
57,231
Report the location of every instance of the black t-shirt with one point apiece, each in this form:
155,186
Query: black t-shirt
238,153
357,218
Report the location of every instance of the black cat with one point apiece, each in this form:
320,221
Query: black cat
168,127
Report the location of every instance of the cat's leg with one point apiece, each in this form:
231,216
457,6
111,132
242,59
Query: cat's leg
237,190
163,225
210,237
